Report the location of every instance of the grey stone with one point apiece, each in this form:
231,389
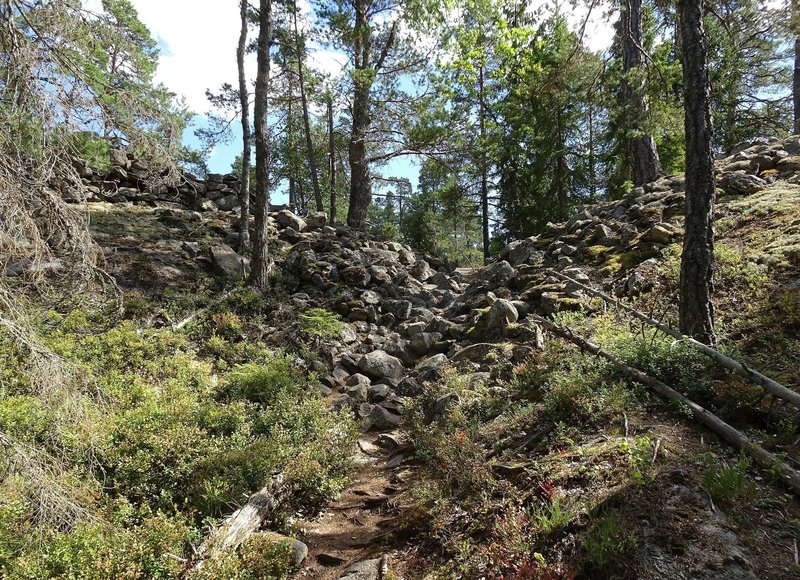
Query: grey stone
500,315
421,270
228,263
421,343
228,203
287,219
741,183
355,276
497,273
316,221
205,205
357,379
379,364
400,308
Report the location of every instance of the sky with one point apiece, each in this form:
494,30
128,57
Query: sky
198,51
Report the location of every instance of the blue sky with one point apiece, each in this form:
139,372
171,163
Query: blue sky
198,43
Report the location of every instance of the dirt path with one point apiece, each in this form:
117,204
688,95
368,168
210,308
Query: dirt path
359,525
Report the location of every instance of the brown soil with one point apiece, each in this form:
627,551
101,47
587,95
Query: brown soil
360,524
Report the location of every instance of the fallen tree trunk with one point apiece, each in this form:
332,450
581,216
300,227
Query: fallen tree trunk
244,522
761,456
756,377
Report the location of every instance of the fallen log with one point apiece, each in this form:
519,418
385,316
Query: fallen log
756,377
737,439
244,522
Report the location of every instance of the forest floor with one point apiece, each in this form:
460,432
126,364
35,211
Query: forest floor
634,475
476,447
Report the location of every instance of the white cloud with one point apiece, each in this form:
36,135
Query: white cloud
201,37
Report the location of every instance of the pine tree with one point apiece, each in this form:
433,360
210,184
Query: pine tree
259,273
642,152
696,308
244,104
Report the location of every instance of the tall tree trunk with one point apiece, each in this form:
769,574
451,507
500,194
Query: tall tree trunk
696,308
592,160
484,168
259,273
360,180
645,164
796,79
331,159
244,101
312,161
293,205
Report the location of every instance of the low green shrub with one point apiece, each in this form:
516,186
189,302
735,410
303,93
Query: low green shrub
608,541
727,482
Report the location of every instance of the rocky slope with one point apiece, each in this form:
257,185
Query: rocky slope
411,317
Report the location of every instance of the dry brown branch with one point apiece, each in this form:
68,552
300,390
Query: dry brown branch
54,502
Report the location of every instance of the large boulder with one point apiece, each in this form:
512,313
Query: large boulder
287,219
316,221
381,365
228,263
741,183
500,315
498,273
228,203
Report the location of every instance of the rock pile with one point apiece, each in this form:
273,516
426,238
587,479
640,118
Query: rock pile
131,180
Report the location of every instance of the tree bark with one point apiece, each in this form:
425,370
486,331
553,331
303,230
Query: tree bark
642,151
244,184
484,169
244,522
312,162
331,160
360,180
796,78
696,288
259,272
293,205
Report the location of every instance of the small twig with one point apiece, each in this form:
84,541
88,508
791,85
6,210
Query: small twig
796,554
626,425
655,453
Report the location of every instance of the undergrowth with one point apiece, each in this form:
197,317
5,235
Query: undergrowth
182,427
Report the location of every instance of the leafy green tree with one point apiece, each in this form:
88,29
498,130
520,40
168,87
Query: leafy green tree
382,40
749,70
542,159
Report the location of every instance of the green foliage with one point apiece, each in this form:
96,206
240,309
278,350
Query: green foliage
146,549
727,482
641,458
96,152
440,219
259,557
320,324
176,445
553,515
544,173
609,540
